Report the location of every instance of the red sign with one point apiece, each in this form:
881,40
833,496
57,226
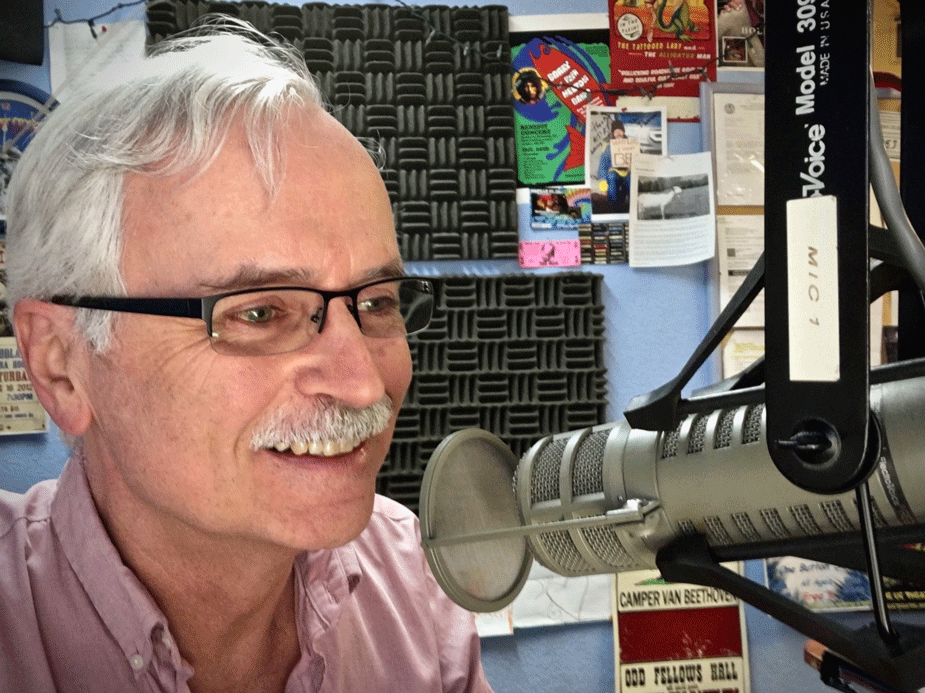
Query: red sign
664,47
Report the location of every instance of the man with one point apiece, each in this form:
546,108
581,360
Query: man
614,180
216,528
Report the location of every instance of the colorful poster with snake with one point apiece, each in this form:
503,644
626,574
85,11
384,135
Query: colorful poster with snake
661,47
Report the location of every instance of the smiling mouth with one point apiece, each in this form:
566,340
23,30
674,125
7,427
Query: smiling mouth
325,448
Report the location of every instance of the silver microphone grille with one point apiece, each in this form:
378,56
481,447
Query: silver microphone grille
566,481
711,475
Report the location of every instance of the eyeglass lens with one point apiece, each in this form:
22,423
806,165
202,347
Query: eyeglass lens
275,321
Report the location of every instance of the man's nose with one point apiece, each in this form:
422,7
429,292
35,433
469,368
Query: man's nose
341,362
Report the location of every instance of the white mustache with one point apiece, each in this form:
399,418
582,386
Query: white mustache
329,420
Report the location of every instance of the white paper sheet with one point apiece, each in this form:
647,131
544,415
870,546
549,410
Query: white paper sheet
740,242
75,54
672,214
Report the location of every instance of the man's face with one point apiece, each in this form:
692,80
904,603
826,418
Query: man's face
173,419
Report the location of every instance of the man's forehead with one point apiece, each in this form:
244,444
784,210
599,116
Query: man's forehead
329,221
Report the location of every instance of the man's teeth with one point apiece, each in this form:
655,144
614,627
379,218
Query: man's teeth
327,448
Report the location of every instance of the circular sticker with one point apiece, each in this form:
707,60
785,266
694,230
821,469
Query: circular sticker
629,26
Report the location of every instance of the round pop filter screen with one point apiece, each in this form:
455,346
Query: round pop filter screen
467,491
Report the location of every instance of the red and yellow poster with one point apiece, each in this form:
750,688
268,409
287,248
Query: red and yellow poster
663,47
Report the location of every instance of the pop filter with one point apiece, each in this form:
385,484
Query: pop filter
468,490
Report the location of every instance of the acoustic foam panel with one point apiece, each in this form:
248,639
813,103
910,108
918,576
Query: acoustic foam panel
22,36
426,86
519,355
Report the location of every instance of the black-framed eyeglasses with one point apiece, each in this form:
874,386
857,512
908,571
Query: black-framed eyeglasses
280,319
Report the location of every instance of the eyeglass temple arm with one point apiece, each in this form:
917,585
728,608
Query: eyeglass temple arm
170,307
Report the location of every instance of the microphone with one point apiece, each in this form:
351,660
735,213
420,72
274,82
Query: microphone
607,499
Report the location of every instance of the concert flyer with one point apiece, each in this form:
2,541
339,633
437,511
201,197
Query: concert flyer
677,638
556,73
20,410
662,47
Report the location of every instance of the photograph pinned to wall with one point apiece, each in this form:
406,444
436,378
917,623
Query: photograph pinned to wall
613,137
558,66
560,207
672,216
740,34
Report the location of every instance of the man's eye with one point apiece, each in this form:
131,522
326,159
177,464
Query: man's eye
258,314
378,304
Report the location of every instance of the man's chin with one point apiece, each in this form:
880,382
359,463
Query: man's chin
330,526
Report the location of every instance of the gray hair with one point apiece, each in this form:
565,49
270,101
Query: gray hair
165,114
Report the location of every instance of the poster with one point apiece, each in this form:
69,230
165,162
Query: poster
20,410
741,349
614,136
818,586
558,64
677,638
740,34
548,599
663,47
6,327
823,587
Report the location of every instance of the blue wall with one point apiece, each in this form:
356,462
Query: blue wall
654,319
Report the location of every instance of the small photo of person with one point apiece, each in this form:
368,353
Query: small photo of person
529,87
735,50
549,203
614,193
613,136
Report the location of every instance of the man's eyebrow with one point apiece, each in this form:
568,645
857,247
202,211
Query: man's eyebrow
250,275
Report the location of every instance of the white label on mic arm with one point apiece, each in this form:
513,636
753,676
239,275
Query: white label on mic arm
812,288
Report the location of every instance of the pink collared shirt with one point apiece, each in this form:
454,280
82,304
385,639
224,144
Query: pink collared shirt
74,618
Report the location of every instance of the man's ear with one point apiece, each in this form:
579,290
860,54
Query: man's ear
56,362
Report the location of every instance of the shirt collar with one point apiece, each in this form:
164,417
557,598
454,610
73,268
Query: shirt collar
122,602
324,581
